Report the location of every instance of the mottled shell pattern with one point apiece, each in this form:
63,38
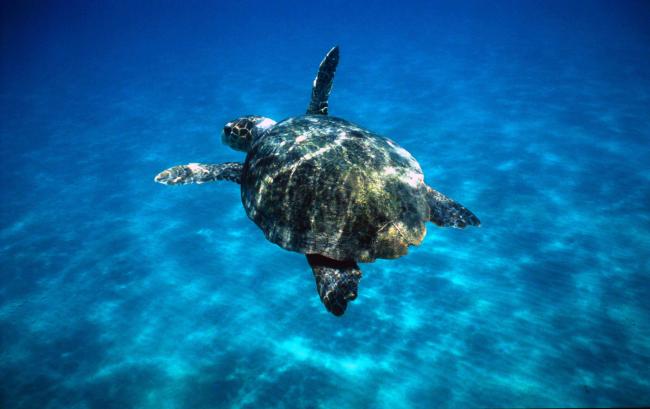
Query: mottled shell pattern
320,184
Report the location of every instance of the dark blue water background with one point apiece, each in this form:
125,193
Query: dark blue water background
116,292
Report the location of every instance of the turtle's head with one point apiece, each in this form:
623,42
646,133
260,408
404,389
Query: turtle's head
240,133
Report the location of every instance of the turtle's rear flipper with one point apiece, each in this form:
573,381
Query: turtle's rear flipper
322,87
336,281
200,173
446,212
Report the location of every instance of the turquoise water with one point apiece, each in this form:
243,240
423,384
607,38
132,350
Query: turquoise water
117,292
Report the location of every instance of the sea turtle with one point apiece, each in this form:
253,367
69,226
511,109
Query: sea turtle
329,189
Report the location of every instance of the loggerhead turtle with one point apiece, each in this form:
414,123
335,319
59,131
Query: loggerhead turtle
329,189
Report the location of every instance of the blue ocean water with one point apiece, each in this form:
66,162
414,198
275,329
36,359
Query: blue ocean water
117,292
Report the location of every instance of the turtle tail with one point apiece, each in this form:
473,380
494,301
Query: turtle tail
336,281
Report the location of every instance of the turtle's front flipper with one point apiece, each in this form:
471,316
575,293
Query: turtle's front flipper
322,87
200,173
446,212
336,281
